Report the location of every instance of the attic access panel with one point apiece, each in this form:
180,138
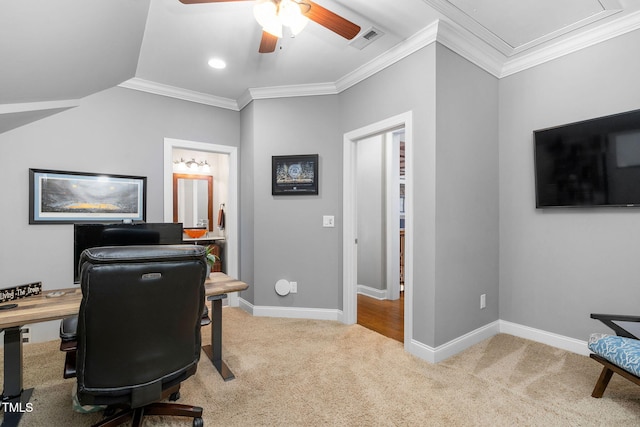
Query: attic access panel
523,24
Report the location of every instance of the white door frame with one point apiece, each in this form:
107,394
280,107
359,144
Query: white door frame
349,214
392,214
231,205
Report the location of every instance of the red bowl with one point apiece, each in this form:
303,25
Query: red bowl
195,233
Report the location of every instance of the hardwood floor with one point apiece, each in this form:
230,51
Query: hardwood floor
383,316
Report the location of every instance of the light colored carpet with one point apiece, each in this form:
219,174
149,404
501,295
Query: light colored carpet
293,372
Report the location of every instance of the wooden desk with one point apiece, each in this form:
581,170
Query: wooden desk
34,309
216,288
40,308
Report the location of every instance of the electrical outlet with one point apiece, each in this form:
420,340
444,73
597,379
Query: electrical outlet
294,287
26,335
483,301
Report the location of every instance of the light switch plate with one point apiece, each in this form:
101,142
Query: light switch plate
328,221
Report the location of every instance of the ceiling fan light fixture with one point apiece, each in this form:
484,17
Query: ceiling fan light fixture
266,13
273,14
292,17
273,28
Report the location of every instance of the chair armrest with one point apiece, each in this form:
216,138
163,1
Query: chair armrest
67,346
610,319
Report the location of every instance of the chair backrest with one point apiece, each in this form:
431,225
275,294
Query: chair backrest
139,321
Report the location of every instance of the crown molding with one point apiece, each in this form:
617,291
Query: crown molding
293,91
289,91
572,44
414,43
564,30
244,99
469,45
179,93
471,48
609,7
464,20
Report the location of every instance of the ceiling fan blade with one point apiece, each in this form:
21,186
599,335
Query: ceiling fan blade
207,1
330,20
268,43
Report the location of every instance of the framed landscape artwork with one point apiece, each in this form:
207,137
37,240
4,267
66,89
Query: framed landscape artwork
294,175
70,197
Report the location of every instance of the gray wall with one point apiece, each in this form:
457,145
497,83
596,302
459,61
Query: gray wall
371,207
409,85
558,266
455,112
472,143
288,238
467,196
117,131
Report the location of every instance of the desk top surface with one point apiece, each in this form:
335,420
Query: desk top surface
40,308
219,283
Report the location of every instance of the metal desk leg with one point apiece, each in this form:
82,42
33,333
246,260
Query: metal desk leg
14,398
214,351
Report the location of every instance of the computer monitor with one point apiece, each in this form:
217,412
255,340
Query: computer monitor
120,234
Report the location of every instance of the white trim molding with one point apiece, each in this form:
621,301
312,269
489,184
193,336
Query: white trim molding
480,47
414,43
564,47
290,312
441,352
467,46
457,345
609,7
453,347
549,338
379,294
179,93
349,217
477,45
232,210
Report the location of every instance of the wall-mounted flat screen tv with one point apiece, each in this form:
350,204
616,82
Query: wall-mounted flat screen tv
589,164
120,234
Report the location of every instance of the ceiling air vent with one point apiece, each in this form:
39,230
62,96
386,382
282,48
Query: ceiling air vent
366,37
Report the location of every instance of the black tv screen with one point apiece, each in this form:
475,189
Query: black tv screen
589,164
120,234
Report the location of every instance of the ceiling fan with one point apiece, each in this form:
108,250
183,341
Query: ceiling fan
272,15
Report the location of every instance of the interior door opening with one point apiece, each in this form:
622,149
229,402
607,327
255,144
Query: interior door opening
350,218
380,228
226,193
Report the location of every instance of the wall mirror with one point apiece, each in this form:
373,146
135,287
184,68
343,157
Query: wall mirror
193,199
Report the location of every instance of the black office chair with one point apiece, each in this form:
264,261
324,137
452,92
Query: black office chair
138,329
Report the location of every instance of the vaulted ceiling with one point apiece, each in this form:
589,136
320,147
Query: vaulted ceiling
54,53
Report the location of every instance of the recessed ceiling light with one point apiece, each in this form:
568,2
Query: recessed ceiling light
217,63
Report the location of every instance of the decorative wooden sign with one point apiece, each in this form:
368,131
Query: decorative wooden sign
21,291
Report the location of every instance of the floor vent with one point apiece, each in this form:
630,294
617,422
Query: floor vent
366,37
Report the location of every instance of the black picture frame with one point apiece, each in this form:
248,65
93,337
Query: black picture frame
294,175
65,197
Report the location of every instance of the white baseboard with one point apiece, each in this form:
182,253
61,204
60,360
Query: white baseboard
549,338
379,294
245,305
291,312
455,346
441,352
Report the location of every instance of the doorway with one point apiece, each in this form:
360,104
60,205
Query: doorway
380,219
350,214
231,202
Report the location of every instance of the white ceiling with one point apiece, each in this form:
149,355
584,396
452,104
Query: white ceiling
54,53
522,22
